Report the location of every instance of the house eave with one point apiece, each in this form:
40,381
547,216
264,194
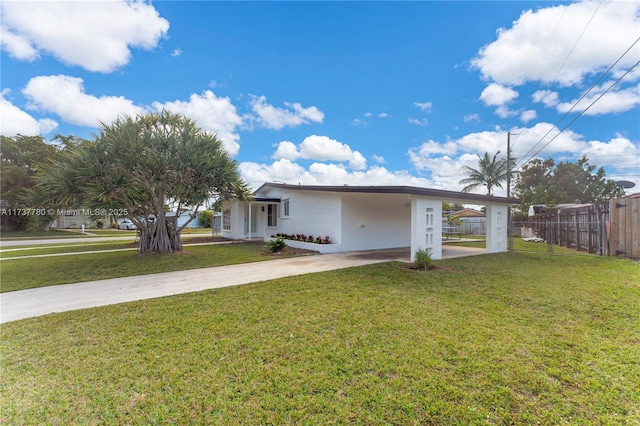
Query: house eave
406,190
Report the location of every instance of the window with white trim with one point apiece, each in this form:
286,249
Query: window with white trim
226,219
285,208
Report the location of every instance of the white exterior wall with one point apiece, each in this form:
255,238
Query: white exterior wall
375,221
312,213
496,228
237,220
426,227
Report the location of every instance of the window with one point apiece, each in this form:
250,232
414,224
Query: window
272,215
285,208
226,219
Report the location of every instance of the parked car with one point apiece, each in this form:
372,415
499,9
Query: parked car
127,224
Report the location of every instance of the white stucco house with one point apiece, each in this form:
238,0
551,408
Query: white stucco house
359,217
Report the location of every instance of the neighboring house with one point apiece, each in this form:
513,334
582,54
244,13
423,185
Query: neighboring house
184,217
472,222
71,219
359,217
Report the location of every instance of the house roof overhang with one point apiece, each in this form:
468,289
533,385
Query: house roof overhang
265,200
407,190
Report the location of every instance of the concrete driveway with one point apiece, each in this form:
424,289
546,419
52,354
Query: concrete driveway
35,302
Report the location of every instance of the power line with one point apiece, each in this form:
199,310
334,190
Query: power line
523,161
578,39
587,108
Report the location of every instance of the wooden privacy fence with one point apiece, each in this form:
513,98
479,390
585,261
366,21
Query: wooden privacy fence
624,238
609,228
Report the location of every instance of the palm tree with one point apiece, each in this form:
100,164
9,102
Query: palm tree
491,173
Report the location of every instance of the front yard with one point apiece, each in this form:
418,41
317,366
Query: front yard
514,338
20,274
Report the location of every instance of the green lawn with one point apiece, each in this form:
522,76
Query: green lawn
498,339
20,274
518,245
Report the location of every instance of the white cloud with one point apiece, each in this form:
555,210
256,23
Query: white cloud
96,35
528,115
429,149
276,118
359,123
537,46
614,101
424,106
65,96
320,148
287,150
176,52
497,95
211,113
284,170
548,98
523,140
384,115
14,121
418,122
471,118
611,102
432,155
378,159
17,47
619,152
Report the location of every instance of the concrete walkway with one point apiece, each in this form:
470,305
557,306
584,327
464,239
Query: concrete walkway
35,302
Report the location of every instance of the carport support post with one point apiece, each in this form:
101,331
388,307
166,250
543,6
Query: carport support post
426,227
496,228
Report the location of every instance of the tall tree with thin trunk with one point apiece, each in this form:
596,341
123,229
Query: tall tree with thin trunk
491,172
137,166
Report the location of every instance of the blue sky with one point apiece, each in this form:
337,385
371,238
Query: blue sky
360,93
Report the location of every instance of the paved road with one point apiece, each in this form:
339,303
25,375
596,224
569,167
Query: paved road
35,302
70,240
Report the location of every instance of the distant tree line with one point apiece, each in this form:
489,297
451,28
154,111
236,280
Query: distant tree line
543,181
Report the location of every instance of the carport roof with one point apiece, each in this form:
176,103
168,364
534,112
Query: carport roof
408,190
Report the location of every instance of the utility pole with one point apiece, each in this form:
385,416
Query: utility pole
509,222
508,164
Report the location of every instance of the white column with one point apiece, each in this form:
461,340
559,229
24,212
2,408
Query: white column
426,227
496,228
249,221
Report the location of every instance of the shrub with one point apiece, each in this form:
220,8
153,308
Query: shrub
205,218
423,259
303,237
276,245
